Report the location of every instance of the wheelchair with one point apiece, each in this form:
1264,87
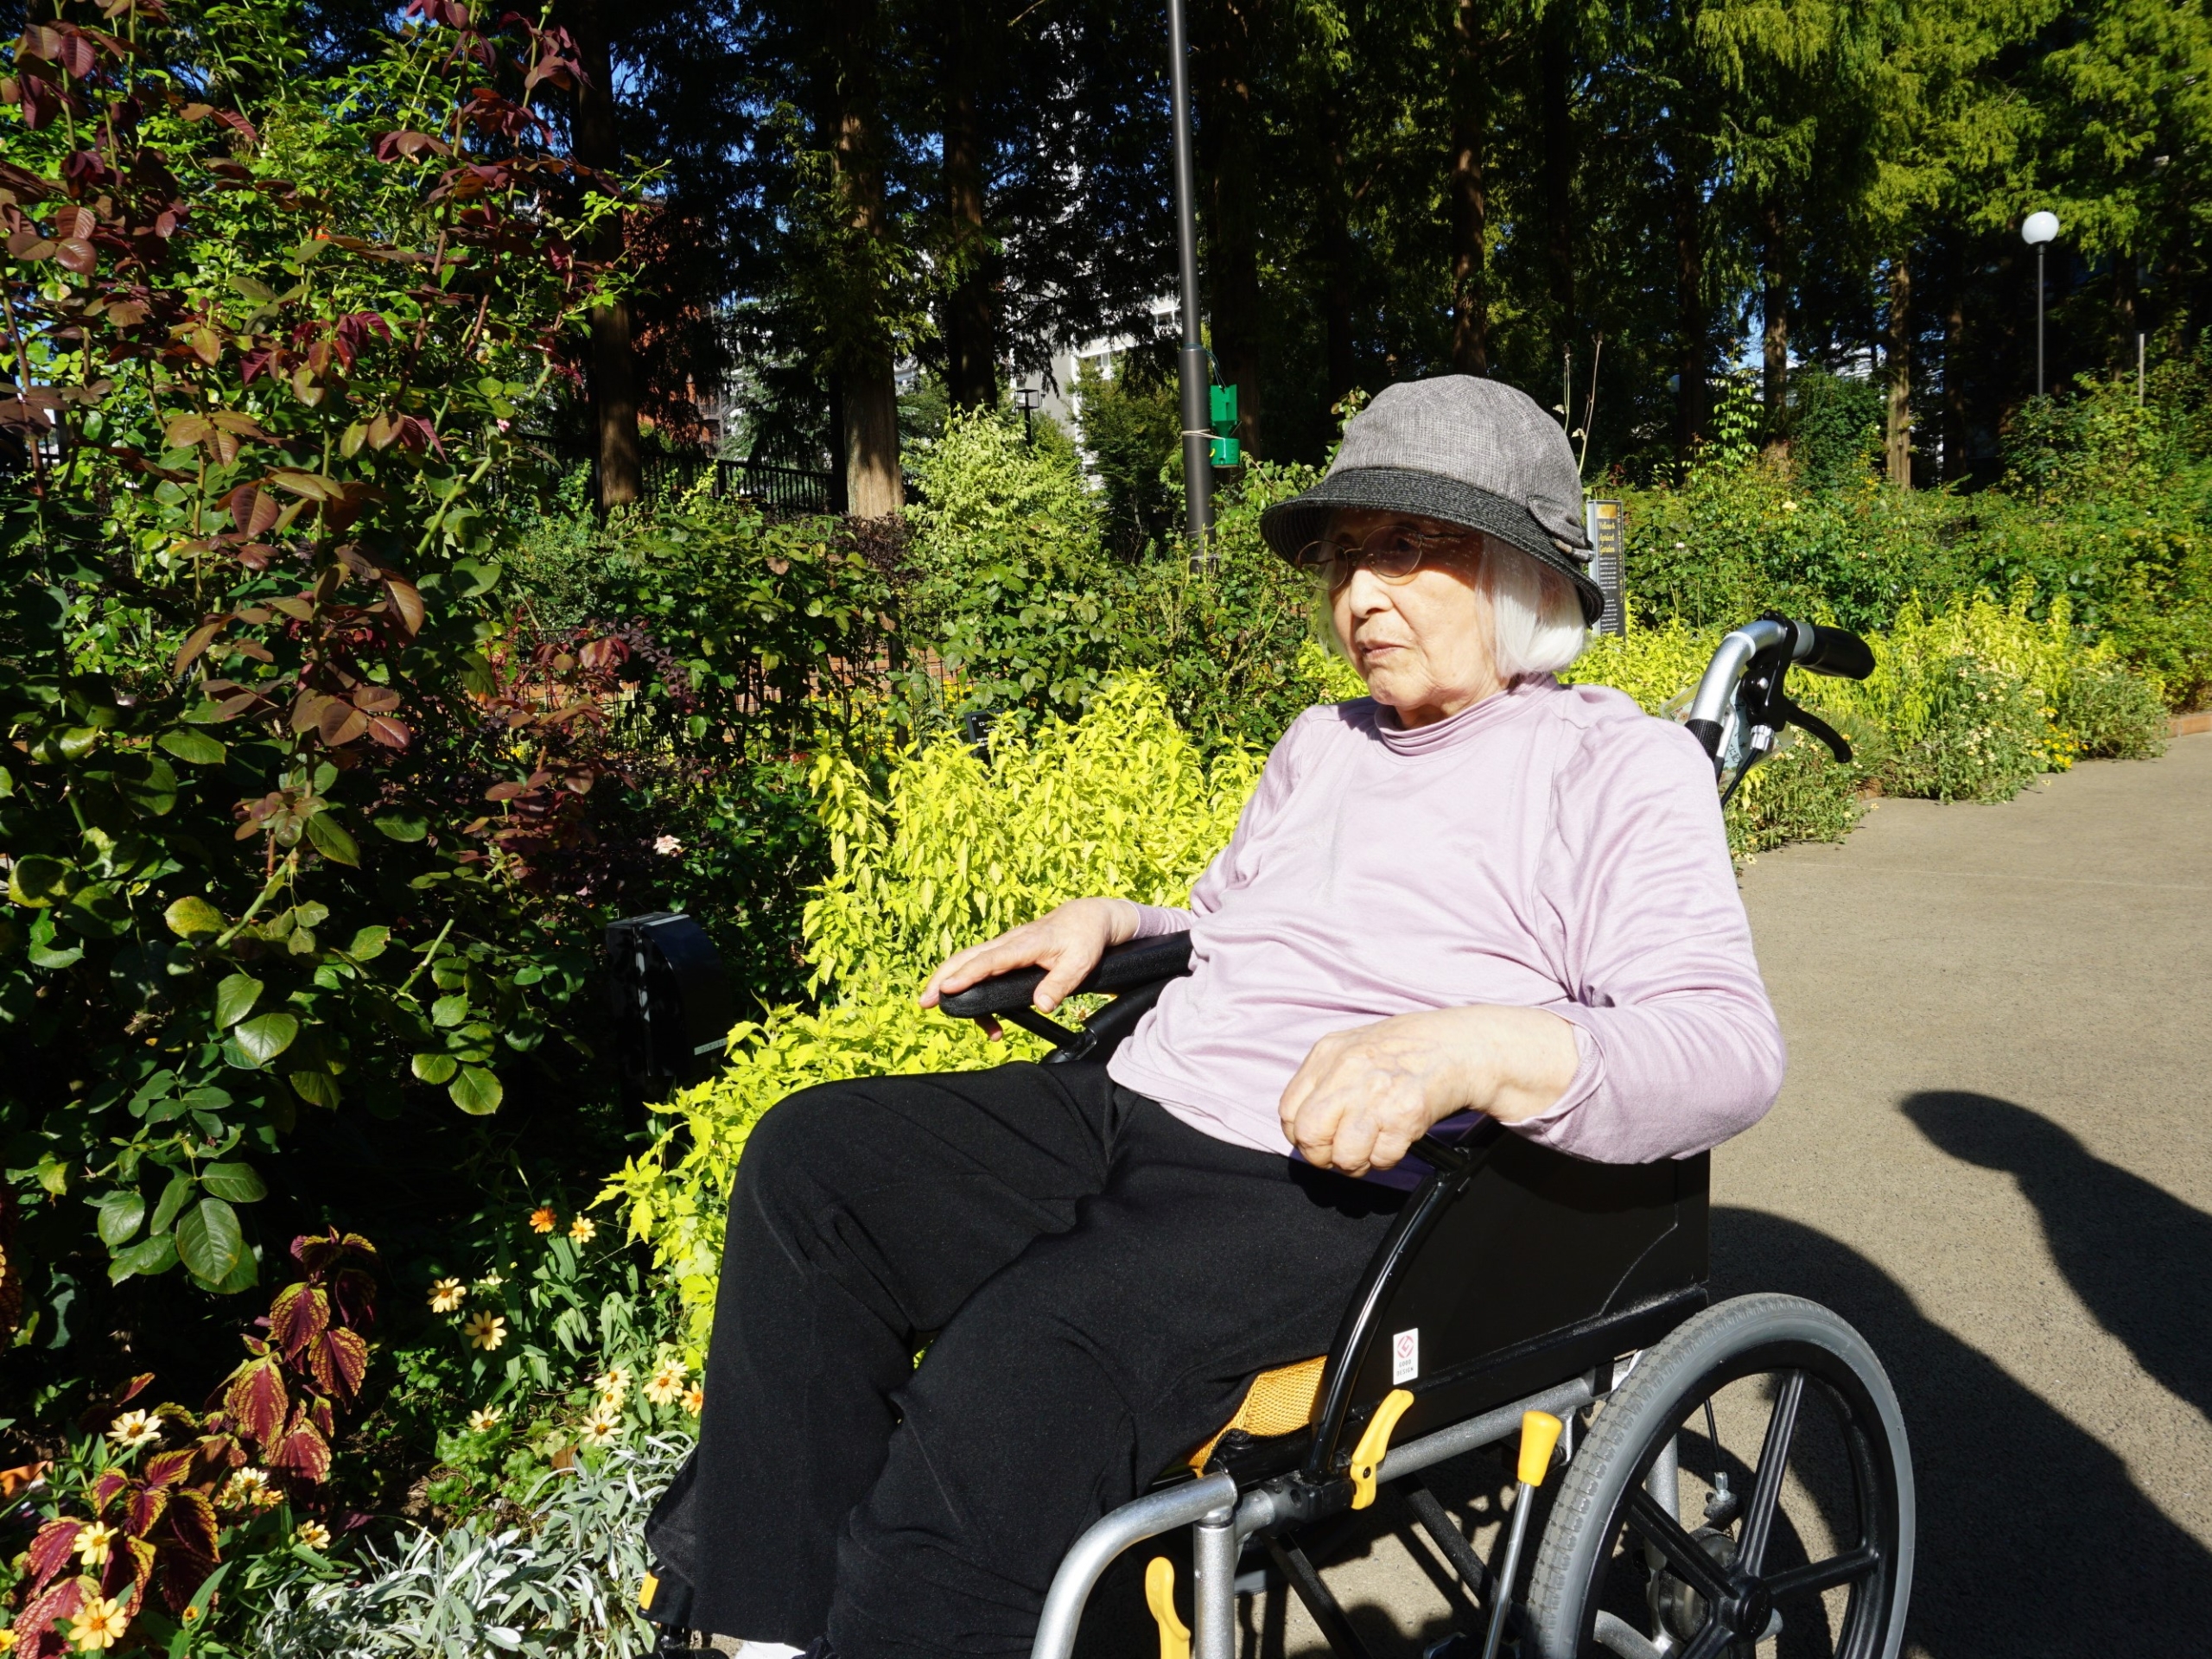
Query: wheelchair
1526,1299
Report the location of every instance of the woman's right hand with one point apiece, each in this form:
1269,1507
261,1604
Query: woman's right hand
1066,942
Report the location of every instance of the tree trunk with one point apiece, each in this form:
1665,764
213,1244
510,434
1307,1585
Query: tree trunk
874,487
1954,397
1897,362
613,355
1554,66
1469,203
1222,69
1692,328
971,361
1337,254
1774,299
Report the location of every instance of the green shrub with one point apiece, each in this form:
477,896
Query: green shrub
1979,733
2111,713
1132,433
951,850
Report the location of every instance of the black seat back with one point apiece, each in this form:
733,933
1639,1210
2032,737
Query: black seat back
1525,1269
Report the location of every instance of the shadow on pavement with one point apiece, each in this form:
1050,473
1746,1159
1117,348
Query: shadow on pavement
2034,1542
2139,1259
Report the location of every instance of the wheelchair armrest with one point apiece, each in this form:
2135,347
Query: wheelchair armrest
1123,968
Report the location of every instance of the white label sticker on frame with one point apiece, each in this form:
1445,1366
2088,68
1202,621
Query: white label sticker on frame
1405,1356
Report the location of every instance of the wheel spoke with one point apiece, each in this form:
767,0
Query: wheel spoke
1774,1464
1846,1568
1665,1533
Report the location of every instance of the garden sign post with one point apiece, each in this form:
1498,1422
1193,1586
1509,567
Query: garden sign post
1197,381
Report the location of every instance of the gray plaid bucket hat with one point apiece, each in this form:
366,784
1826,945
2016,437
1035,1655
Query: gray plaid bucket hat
1468,452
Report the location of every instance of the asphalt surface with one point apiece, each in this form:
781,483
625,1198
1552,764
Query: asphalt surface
1992,1156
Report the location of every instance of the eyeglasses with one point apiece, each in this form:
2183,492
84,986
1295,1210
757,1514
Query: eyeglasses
1393,553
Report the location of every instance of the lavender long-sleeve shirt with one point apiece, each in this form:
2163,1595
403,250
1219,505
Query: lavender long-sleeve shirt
1552,847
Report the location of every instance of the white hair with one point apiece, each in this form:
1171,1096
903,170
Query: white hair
1535,614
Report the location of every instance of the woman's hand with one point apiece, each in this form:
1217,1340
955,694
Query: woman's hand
1067,942
1365,1095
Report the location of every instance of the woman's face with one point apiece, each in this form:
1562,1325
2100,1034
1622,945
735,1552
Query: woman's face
1423,644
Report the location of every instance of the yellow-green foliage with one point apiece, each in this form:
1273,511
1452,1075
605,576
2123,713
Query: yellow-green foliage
954,851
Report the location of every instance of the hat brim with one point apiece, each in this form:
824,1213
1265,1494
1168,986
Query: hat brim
1292,525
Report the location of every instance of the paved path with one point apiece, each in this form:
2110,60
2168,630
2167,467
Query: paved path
1994,1155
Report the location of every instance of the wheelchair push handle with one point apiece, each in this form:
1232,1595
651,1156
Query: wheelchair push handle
1123,968
1743,703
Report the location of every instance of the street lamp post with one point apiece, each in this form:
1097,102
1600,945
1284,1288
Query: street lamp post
1197,427
2037,230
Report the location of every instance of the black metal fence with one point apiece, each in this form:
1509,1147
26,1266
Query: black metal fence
774,485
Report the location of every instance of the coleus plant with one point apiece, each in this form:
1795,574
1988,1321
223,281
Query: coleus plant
264,843
147,1514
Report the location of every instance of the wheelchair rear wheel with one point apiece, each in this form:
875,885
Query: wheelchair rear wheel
1769,1423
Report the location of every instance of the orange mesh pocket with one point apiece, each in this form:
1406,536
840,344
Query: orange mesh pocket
1278,1402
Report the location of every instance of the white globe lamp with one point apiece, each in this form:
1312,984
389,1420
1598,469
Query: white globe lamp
2039,228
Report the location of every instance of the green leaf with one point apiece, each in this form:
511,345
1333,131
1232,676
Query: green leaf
209,1242
434,1068
450,1010
332,841
476,1091
317,1088
37,881
245,1276
180,1188
192,917
120,1213
196,747
237,1182
265,1036
148,1257
368,944
234,1000
401,824
149,785
99,912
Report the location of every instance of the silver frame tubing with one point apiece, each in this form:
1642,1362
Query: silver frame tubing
1221,1522
1718,686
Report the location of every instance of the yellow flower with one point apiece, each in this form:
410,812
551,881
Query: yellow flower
134,1429
312,1534
582,1229
99,1624
7,1641
613,1385
694,1399
542,1220
446,1295
599,1427
486,1417
485,1330
93,1545
667,1384
490,1281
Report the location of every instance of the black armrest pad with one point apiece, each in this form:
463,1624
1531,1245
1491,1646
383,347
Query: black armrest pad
1123,968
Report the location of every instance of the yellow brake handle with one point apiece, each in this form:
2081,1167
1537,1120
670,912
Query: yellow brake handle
1375,1445
1160,1596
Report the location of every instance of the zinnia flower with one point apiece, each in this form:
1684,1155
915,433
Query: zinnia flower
490,1281
99,1624
485,1330
599,1427
245,1486
667,1384
134,1429
485,1417
694,1399
446,1295
93,1545
614,1383
581,1229
312,1534
667,846
7,1641
542,1220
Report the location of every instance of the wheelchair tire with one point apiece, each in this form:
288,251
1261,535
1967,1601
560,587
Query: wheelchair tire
1605,1575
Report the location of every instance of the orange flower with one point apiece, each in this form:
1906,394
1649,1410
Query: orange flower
542,1220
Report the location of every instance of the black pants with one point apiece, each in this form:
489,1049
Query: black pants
1101,1281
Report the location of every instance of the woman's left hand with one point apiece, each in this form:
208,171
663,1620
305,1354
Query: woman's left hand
1365,1095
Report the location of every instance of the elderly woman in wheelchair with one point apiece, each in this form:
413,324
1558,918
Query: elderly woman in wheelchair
1394,1137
